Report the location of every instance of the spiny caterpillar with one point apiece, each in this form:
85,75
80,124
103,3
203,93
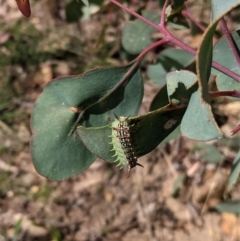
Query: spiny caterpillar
122,145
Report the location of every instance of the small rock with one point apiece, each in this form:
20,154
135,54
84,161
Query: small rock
23,133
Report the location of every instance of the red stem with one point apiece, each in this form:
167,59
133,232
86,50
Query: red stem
235,130
149,48
163,15
232,93
148,22
186,13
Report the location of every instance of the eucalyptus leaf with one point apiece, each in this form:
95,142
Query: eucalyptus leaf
220,9
208,153
223,55
169,60
146,132
137,34
90,99
234,175
198,122
229,207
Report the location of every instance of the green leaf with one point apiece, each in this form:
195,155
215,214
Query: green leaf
229,207
73,11
156,73
178,21
168,60
137,34
161,3
234,175
177,184
98,141
85,2
146,132
232,143
223,55
174,15
18,227
178,5
204,62
172,135
56,155
160,100
198,122
219,10
180,86
94,95
208,153
225,82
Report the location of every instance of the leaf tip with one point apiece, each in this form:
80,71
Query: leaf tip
24,7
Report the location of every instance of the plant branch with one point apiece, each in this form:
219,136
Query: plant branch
186,13
226,71
182,45
235,130
126,78
230,40
163,15
148,22
151,47
232,93
170,38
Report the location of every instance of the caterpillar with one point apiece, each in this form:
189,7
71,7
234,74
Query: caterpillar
122,144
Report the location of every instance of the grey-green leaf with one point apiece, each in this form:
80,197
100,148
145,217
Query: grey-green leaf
208,153
204,62
146,132
181,85
223,55
137,35
229,207
169,60
57,151
234,175
198,122
219,9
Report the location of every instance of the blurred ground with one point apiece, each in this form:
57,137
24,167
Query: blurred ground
101,203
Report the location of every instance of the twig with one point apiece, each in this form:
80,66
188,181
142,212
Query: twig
163,15
232,93
235,130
